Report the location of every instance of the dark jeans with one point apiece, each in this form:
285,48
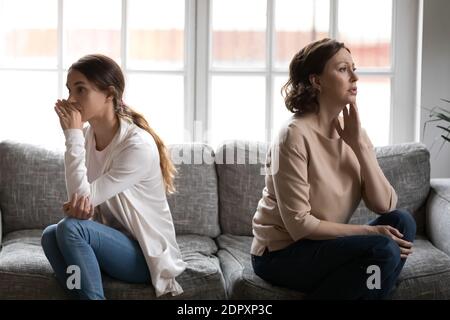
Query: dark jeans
338,268
92,247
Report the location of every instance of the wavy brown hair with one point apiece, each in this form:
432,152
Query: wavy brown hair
299,95
105,73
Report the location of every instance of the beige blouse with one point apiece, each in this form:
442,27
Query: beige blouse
310,177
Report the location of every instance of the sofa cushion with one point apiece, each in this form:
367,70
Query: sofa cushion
426,274
194,206
406,166
32,187
240,169
240,279
25,272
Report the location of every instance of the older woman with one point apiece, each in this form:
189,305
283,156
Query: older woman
319,168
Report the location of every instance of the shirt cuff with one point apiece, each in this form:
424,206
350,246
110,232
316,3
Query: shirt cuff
74,136
308,223
166,286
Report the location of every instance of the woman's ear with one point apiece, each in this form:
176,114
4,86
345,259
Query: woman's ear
315,81
111,93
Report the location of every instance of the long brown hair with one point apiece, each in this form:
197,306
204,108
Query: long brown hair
299,95
105,73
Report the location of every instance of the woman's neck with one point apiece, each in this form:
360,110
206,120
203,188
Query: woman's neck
105,129
324,120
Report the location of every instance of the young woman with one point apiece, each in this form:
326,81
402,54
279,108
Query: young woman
319,168
117,174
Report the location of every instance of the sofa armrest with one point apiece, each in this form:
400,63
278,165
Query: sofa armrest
438,214
1,230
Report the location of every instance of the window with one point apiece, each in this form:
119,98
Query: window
202,70
28,77
371,46
250,59
297,23
90,31
38,45
237,70
155,64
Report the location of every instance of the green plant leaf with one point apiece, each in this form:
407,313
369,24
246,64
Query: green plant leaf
444,128
446,111
441,116
425,126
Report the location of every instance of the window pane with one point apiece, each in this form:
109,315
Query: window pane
238,109
374,105
91,26
238,33
298,23
160,98
280,112
28,37
368,33
156,38
28,98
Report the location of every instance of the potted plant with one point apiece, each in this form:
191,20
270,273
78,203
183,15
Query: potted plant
442,115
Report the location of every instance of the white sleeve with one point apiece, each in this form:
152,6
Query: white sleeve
127,168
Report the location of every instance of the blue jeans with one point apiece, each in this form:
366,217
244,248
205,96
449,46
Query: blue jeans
93,247
338,268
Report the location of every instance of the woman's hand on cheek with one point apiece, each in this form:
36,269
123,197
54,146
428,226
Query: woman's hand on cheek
351,133
69,116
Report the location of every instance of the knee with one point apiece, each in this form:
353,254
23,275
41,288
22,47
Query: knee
406,223
48,236
386,252
67,227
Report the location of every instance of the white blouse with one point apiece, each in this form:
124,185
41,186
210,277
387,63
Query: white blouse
130,187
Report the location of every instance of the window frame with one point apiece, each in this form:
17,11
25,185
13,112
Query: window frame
188,70
402,71
198,71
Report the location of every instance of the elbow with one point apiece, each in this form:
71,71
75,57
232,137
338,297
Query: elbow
385,205
382,208
393,199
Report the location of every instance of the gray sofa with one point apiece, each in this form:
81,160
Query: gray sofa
212,210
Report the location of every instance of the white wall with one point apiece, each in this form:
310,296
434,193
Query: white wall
406,39
435,80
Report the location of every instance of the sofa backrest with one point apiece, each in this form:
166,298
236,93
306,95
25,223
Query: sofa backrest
406,166
194,205
32,188
225,186
240,169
